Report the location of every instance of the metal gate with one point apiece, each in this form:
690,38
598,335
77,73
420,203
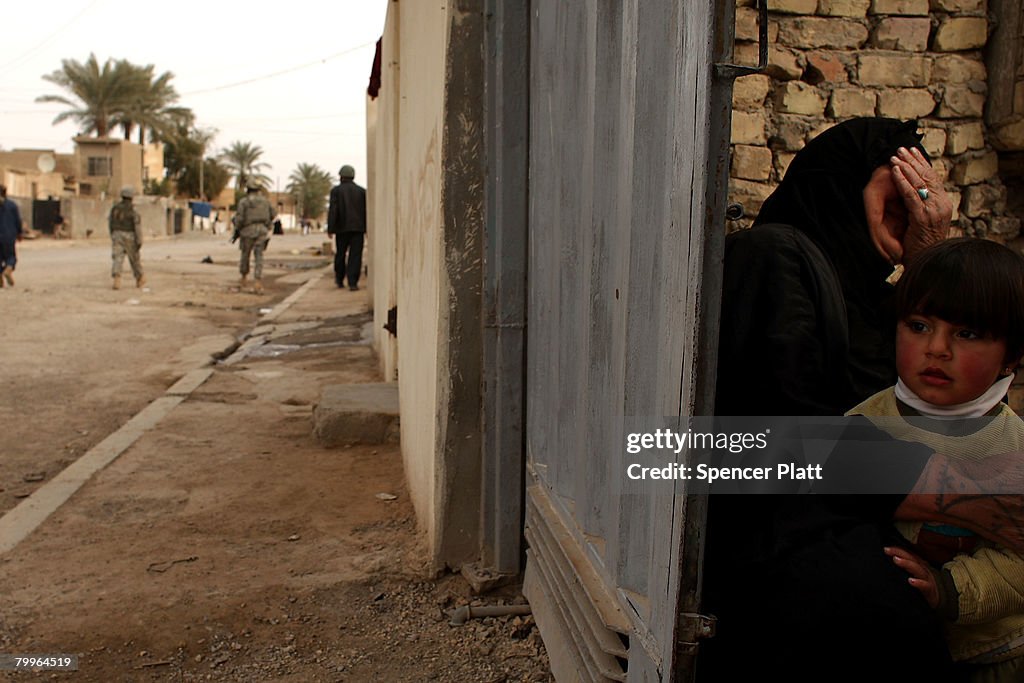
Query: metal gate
44,215
628,133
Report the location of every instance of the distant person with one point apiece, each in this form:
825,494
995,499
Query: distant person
253,222
10,232
278,229
346,220
61,230
126,238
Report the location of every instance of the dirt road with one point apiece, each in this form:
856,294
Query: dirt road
225,543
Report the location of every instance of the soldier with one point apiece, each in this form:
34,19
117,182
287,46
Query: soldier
252,222
126,238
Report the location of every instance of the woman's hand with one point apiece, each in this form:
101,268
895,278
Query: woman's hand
928,220
921,575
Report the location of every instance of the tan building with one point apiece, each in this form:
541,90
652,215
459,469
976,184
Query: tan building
152,161
37,173
284,203
105,165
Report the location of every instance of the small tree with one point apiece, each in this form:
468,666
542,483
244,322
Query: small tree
161,187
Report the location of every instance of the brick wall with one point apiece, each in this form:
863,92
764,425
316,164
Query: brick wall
831,60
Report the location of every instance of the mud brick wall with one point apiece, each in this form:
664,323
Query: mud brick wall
831,60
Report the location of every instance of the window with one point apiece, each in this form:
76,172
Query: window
101,166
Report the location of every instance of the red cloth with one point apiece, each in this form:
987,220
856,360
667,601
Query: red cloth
374,87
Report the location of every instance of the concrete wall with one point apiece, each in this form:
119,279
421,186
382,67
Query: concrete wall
830,60
405,192
425,226
88,216
460,395
382,201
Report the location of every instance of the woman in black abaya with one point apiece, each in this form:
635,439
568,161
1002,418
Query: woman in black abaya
800,584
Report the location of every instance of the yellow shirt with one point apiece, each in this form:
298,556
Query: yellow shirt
990,580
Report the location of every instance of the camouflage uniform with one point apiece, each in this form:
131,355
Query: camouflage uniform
253,220
126,238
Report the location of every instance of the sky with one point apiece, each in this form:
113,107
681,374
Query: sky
291,79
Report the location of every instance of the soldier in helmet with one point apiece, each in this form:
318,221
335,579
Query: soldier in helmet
252,222
126,238
346,220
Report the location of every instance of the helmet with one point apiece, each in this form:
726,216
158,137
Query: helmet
347,172
128,191
252,184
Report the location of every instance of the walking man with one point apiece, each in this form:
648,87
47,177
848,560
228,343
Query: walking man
346,220
252,221
10,232
126,238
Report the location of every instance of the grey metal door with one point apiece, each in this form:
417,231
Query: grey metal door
627,137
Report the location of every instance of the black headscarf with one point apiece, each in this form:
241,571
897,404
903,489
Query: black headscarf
806,285
822,195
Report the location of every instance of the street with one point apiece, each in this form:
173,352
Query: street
79,359
224,543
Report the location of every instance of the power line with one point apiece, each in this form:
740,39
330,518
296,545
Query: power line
279,73
258,119
33,112
46,40
293,131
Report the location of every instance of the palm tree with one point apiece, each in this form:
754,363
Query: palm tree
310,185
242,158
151,105
98,93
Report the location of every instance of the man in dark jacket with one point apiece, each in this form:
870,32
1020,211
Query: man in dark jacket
346,220
10,232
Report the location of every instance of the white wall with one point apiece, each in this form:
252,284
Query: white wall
426,225
406,199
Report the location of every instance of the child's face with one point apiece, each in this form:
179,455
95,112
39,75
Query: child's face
946,364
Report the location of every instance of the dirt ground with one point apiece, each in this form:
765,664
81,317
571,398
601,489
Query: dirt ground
225,544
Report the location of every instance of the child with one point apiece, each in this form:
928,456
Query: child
960,306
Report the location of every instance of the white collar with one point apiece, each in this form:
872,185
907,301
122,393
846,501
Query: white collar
976,408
